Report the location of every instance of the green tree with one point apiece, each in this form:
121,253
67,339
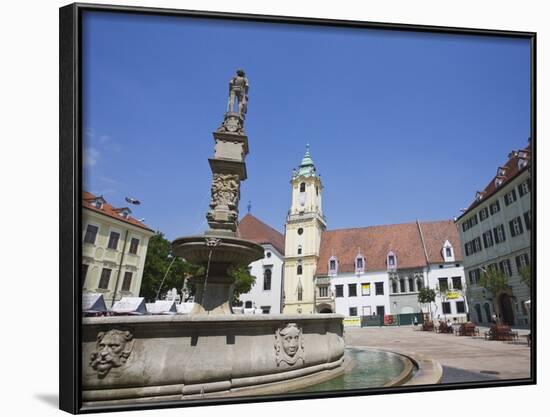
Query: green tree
525,275
494,281
243,282
159,258
427,296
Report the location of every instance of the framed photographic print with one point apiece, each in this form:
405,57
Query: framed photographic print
262,208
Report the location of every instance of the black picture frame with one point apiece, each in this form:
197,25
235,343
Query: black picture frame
70,182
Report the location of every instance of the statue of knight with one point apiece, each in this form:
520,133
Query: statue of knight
238,89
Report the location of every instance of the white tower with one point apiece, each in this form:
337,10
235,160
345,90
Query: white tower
304,225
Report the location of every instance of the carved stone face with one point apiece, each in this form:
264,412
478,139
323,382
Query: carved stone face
291,340
112,351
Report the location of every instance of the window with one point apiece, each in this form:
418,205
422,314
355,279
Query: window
473,276
83,273
460,308
104,280
527,219
379,288
359,264
522,260
419,283
339,290
524,188
300,230
448,253
443,284
91,233
499,234
494,207
457,283
505,267
134,243
446,307
268,254
127,281
380,311
323,292
98,204
477,244
391,260
300,293
332,266
299,249
353,311
303,187
365,288
267,279
248,304
483,214
411,284
266,309
352,290
402,285
394,286
510,197
299,269
488,239
515,226
113,240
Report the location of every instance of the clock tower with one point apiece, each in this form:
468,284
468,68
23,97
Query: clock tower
304,225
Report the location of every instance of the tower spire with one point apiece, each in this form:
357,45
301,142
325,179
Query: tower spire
307,167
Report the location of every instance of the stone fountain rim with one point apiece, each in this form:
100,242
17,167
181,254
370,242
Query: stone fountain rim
201,318
224,239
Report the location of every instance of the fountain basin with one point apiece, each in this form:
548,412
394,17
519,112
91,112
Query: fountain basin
169,358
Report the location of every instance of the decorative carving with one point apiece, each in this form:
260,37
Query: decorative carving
225,190
289,345
112,350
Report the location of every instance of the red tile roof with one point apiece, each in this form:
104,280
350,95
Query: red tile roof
251,228
511,169
109,210
374,243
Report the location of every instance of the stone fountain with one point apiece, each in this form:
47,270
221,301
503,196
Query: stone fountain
211,352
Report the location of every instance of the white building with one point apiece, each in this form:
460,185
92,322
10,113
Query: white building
266,294
495,232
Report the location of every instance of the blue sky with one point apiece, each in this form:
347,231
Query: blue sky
402,126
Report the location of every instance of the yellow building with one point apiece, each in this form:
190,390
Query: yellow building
113,250
304,226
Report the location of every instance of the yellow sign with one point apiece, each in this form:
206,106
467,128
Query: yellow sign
352,322
451,295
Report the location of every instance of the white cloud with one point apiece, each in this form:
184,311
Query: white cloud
90,157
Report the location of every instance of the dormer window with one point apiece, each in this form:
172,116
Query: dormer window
522,163
98,202
501,172
479,196
359,264
448,252
332,266
498,182
391,260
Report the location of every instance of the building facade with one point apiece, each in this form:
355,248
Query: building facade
366,271
113,250
495,232
267,293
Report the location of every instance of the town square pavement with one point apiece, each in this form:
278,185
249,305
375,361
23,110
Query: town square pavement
463,358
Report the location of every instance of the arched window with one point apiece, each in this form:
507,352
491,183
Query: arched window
303,187
402,285
248,304
391,260
359,264
299,269
267,279
316,190
411,284
332,265
299,249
